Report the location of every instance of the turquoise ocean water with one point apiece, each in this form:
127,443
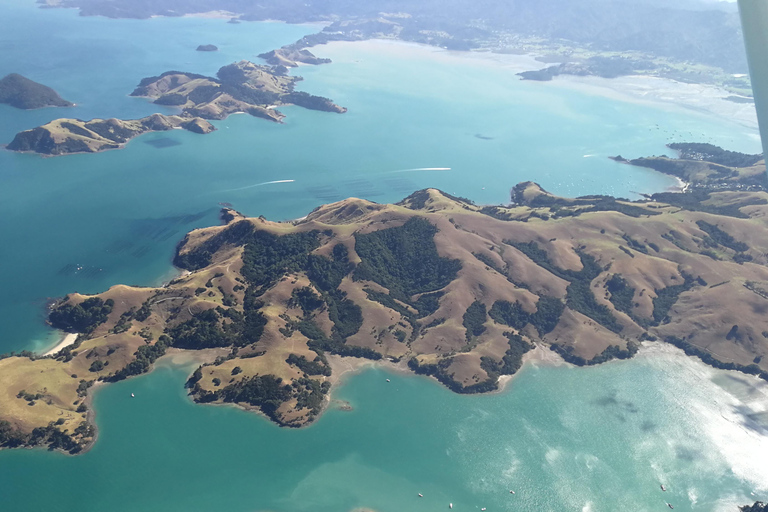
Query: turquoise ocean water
571,439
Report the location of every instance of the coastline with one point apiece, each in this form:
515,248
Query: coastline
68,339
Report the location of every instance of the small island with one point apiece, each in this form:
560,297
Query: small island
66,136
20,92
291,56
207,48
434,284
239,87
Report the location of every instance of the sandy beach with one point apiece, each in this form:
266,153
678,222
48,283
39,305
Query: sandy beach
66,341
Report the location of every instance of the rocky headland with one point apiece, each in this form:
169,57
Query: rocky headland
20,92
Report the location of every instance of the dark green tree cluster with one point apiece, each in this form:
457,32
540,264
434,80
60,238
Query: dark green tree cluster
310,101
610,353
545,319
266,392
49,436
425,305
143,312
84,317
318,366
667,297
268,257
172,99
306,299
11,437
509,313
319,342
97,366
310,394
326,274
146,355
418,200
474,318
719,237
439,371
209,330
622,294
201,331
579,296
547,315
512,360
404,259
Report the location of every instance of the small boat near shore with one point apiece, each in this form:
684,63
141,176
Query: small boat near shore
663,487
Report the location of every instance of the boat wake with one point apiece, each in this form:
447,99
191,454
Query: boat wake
257,185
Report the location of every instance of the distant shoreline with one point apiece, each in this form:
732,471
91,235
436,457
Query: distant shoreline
661,92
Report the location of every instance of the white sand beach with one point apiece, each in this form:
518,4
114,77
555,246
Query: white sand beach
66,341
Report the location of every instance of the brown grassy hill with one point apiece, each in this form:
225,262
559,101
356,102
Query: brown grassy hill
66,136
239,87
454,290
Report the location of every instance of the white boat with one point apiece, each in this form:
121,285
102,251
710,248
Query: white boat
670,505
132,395
421,495
663,487
387,380
511,492
450,505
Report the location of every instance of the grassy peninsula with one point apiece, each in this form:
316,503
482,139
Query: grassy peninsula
21,92
433,283
65,136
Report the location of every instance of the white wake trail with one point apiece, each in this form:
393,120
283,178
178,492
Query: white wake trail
258,185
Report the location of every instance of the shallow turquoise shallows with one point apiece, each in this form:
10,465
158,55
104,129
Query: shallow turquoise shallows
594,439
